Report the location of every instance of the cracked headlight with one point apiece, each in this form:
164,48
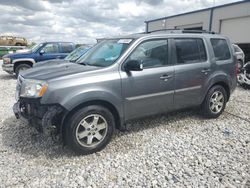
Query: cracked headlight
33,88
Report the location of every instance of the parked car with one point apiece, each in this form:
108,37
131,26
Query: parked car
14,63
126,78
13,41
72,57
240,56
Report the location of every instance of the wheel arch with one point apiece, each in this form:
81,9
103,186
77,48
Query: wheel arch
224,84
28,62
106,104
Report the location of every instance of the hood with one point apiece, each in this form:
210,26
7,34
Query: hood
57,70
18,55
51,62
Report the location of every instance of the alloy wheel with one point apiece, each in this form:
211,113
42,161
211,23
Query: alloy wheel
216,102
91,130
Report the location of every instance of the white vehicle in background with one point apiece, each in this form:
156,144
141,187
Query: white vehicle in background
244,76
240,56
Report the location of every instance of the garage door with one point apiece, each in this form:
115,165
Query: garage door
237,29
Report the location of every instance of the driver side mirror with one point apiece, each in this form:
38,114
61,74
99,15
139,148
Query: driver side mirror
133,65
41,52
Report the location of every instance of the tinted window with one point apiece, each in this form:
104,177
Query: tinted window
151,53
51,48
221,50
66,48
190,50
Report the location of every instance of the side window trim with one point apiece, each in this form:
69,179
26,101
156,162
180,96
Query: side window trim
147,40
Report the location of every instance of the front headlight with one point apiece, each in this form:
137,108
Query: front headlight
6,60
33,88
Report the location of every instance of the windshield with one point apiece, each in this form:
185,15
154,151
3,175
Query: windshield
105,53
77,53
36,47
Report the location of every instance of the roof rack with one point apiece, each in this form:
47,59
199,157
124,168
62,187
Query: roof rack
181,31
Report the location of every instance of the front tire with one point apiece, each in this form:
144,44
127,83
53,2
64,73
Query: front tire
21,67
215,102
89,129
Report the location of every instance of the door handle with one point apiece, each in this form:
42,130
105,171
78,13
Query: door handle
165,77
205,71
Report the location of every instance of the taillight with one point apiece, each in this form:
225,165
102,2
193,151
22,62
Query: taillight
237,70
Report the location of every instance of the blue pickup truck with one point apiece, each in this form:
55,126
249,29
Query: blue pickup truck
14,63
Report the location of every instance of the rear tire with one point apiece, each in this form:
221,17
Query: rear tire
215,102
21,67
89,129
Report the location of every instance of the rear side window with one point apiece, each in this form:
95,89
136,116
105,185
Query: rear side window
221,49
66,48
190,50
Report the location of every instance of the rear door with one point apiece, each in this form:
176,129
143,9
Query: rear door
192,70
151,90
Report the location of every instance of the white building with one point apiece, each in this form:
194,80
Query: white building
232,20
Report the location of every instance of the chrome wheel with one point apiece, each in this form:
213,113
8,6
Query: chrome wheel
216,102
91,130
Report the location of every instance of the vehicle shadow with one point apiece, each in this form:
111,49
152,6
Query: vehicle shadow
19,137
7,77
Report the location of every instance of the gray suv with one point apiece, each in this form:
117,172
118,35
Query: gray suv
126,78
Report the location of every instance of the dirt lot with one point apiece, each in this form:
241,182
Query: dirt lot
176,150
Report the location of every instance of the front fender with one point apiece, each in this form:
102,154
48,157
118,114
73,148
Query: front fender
72,100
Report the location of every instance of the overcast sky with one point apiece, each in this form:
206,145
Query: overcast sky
82,21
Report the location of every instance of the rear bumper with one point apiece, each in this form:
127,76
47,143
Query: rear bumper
9,68
43,117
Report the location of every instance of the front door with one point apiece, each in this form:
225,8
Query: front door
49,51
151,90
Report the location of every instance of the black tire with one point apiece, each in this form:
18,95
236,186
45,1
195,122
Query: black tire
21,67
207,104
18,44
72,127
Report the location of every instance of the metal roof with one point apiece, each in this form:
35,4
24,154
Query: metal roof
200,10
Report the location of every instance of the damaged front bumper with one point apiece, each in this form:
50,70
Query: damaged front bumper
44,118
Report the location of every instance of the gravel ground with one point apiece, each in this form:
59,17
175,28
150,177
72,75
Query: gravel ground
176,150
